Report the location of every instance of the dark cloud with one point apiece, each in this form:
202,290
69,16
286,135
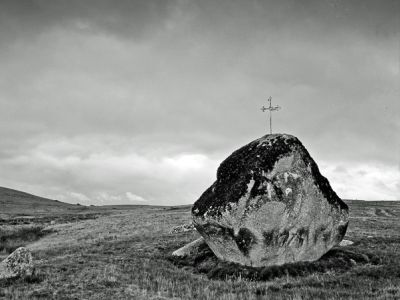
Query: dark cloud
134,19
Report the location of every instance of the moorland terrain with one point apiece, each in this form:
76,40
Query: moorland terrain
124,252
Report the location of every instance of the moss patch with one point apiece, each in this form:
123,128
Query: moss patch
244,240
251,162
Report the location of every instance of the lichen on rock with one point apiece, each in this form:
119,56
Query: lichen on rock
17,264
270,205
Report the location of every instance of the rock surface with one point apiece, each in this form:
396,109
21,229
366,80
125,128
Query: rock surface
183,228
270,205
17,264
345,243
189,249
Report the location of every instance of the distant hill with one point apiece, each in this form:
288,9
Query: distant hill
13,202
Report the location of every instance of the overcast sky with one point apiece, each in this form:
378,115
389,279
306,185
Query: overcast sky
123,101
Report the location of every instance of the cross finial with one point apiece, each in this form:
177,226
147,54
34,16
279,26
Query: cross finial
270,108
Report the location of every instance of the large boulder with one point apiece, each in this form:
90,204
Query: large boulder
270,205
17,264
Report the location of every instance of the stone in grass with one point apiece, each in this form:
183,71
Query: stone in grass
270,205
17,264
345,243
183,228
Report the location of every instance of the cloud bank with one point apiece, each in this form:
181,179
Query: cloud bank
139,101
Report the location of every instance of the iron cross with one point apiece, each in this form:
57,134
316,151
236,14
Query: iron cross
271,109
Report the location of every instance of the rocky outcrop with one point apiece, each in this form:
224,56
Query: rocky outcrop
270,205
17,264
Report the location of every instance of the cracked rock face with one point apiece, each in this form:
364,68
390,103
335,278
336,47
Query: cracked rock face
270,205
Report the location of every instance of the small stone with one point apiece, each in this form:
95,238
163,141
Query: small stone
17,264
353,262
190,249
345,243
183,228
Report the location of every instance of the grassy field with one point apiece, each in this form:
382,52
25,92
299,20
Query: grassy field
124,253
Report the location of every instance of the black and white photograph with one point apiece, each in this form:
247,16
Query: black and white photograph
200,149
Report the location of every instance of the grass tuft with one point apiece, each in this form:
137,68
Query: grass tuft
31,279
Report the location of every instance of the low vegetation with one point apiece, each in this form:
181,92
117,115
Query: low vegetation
47,220
126,255
336,260
13,237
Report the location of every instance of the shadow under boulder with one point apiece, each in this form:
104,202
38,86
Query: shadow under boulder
337,259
